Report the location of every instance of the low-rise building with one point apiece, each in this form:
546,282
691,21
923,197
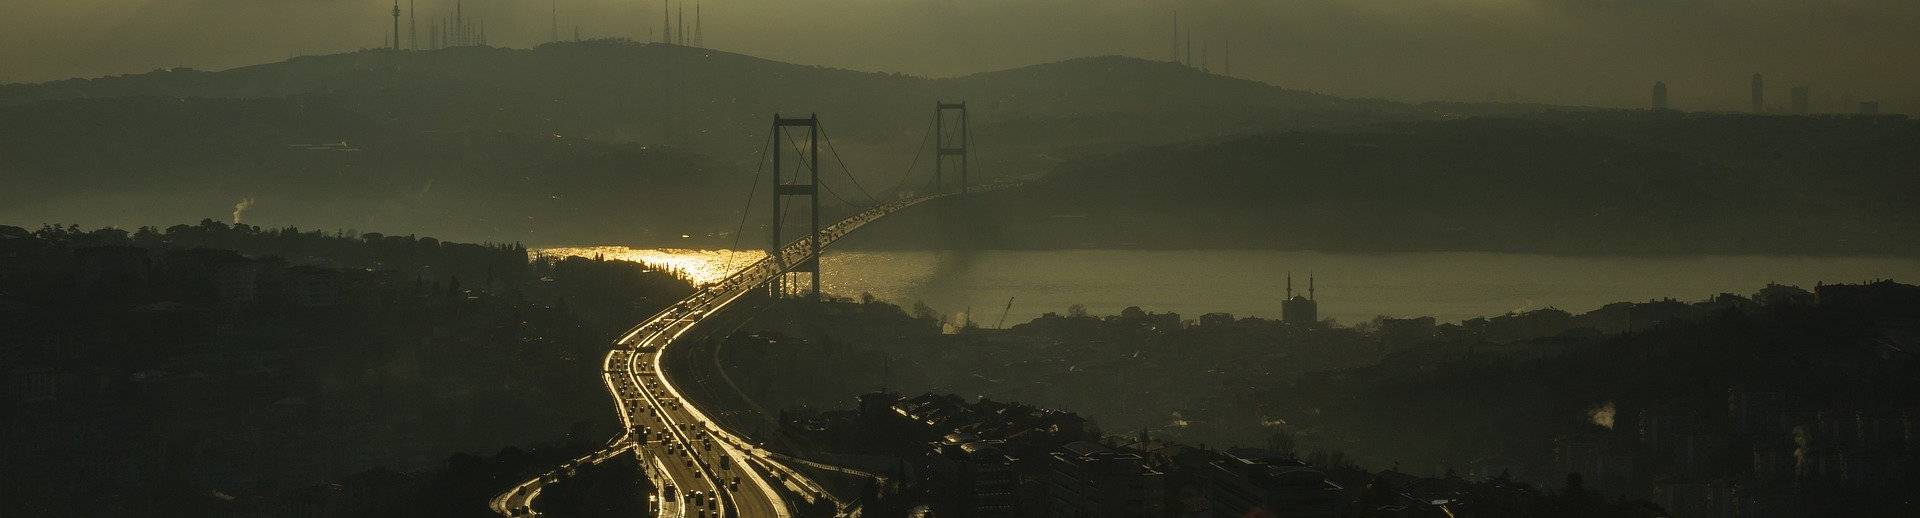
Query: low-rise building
1252,483
1086,479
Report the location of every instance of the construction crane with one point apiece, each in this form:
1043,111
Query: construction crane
1003,314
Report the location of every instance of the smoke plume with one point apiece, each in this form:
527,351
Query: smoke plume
240,209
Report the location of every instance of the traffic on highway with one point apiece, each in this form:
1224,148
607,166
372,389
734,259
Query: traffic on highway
699,470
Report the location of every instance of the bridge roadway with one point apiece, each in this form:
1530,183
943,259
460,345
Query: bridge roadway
681,449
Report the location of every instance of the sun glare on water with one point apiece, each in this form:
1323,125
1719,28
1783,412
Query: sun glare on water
700,266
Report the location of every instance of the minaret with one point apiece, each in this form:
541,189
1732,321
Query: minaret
413,27
698,41
1296,310
666,23
396,24
553,20
1226,57
680,24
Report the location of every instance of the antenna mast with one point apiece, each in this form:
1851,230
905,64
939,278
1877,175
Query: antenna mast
396,24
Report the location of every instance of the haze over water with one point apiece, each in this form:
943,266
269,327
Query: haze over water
1351,288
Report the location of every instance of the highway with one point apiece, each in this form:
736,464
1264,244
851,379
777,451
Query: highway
700,470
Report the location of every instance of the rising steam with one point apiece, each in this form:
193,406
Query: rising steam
241,209
1602,415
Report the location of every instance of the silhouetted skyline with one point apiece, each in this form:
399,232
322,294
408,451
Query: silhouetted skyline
1549,51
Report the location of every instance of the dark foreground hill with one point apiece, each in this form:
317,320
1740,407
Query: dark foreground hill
215,370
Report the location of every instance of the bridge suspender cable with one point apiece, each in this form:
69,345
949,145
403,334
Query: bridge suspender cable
758,167
918,149
843,166
823,186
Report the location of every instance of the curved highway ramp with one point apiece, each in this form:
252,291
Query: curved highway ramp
699,470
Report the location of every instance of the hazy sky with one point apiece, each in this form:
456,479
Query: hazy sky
1601,52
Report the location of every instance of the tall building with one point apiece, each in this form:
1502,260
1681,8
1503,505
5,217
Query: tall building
1297,309
1659,95
1802,100
1870,107
1759,94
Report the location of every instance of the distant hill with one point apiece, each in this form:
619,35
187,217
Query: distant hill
674,131
279,162
1574,182
617,142
719,102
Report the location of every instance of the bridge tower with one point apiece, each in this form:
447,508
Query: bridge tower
949,145
809,189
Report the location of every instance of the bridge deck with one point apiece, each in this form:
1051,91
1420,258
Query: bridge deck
678,443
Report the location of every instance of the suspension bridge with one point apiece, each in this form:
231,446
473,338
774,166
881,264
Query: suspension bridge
698,468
